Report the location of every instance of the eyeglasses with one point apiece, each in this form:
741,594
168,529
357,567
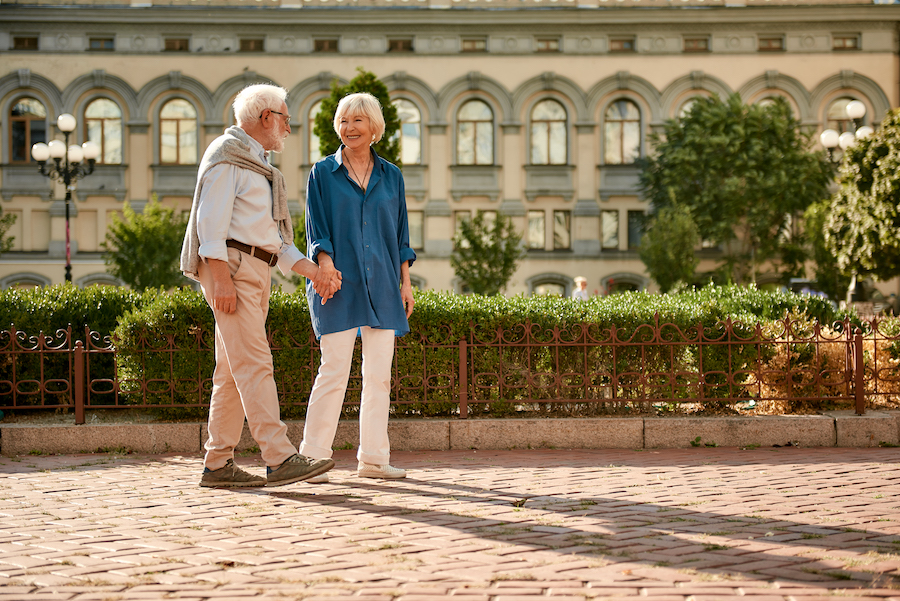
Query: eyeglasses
287,118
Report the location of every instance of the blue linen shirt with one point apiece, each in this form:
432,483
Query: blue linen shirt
367,237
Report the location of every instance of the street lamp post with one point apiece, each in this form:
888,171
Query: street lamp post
66,172
831,139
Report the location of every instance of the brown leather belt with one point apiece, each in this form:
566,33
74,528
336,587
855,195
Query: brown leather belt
253,251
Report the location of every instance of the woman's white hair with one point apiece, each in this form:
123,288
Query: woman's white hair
360,103
253,100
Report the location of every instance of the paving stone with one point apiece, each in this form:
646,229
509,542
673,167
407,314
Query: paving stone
704,524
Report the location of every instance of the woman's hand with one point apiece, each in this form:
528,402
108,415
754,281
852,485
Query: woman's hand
327,280
406,295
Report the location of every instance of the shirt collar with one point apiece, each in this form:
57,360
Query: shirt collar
257,148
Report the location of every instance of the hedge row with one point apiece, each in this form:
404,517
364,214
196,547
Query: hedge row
165,321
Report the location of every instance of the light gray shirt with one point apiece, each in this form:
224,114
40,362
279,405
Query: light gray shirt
236,204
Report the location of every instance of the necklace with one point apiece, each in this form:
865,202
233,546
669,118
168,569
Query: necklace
361,181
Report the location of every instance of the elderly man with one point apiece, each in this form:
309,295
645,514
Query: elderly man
238,229
580,292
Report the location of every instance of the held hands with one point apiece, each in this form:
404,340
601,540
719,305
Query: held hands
327,279
324,281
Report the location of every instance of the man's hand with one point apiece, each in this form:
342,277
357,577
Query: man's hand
326,282
224,294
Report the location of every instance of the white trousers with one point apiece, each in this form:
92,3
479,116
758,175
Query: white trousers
328,392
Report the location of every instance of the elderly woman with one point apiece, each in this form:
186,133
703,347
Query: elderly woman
356,225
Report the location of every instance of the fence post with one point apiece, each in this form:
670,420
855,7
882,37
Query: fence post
859,373
78,382
463,380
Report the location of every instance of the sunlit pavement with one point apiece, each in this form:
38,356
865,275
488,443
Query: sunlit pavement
697,524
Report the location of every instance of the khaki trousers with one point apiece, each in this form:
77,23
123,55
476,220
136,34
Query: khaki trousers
328,392
243,381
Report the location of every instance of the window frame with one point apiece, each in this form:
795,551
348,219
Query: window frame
178,147
635,244
621,140
29,138
403,45
491,127
102,46
603,245
252,45
551,40
532,245
473,44
421,216
399,133
622,44
688,40
765,38
568,228
187,44
857,42
26,47
326,45
85,120
549,132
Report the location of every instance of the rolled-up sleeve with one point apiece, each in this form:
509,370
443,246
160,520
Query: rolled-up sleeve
289,256
214,210
318,230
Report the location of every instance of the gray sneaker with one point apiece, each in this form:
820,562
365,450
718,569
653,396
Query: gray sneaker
296,468
230,475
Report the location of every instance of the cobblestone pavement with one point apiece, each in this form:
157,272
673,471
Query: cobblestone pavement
702,524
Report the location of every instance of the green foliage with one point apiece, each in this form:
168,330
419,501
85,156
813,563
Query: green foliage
830,278
51,311
744,172
167,343
863,227
6,222
143,249
485,254
667,247
166,358
389,146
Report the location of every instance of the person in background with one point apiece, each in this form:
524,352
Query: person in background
580,292
238,229
356,222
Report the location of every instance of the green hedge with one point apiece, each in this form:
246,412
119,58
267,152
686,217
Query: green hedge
148,328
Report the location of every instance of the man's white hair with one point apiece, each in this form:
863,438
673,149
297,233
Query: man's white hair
253,100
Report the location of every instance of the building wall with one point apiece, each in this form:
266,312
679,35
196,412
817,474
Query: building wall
585,76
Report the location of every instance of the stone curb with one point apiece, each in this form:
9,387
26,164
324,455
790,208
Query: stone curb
831,429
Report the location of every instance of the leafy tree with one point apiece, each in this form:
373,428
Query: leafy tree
486,253
389,146
744,171
6,222
830,279
667,247
143,249
862,226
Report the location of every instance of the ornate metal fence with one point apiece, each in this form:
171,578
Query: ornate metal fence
590,365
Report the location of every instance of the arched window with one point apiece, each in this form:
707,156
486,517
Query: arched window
103,125
410,132
837,118
475,134
622,133
313,139
548,133
178,133
27,126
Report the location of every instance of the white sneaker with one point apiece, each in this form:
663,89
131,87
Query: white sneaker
368,470
320,479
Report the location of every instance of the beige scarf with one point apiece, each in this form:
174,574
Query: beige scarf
233,147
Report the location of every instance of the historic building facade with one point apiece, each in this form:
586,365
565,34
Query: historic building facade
535,109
